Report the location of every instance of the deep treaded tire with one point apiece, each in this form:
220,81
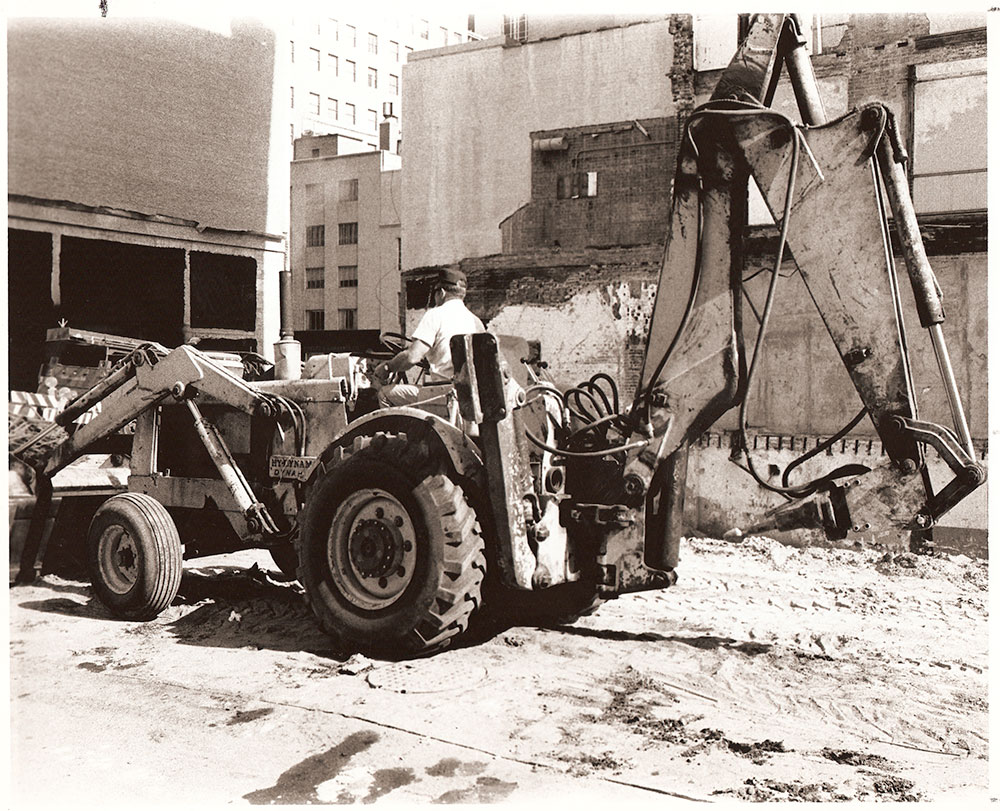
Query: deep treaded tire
390,553
134,555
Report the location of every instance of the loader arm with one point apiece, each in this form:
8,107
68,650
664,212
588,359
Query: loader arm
823,184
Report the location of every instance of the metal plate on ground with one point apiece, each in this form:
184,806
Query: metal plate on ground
433,675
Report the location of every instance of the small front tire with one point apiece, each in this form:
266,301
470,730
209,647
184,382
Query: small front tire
134,555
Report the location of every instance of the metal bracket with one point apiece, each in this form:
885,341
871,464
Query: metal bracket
598,514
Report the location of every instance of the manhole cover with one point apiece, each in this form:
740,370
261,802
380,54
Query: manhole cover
427,676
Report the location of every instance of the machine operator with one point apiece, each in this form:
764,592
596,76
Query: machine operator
447,316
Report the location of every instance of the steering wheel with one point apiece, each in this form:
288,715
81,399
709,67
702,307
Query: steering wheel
393,341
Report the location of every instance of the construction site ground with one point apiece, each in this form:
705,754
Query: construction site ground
767,673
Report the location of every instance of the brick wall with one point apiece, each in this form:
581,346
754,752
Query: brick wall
633,163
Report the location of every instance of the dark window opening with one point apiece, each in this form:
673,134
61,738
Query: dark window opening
29,305
223,291
132,290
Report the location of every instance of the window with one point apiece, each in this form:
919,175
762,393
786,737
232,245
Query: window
425,29
293,131
349,112
314,103
348,190
399,253
333,64
315,55
516,27
372,43
292,89
352,71
394,84
444,35
315,278
291,50
456,37
348,319
409,50
394,47
348,275
315,319
348,233
578,184
315,153
373,78
334,28
331,108
373,120
351,35
315,236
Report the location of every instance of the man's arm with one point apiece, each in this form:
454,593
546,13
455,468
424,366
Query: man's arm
403,360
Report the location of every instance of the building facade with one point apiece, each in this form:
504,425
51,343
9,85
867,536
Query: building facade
345,237
346,70
141,200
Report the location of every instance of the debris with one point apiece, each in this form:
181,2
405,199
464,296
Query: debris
848,757
735,535
234,617
355,665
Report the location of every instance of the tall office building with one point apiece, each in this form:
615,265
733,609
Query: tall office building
347,68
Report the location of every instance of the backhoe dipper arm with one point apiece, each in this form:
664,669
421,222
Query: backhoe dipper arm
823,185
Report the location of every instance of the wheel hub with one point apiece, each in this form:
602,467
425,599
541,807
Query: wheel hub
375,551
118,559
371,548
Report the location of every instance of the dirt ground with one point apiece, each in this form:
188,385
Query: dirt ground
766,674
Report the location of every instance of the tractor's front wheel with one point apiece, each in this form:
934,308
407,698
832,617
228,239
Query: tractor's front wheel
135,556
392,560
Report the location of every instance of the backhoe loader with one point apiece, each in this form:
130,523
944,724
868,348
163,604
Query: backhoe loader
403,525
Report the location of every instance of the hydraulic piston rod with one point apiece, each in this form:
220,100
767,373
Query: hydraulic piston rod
922,279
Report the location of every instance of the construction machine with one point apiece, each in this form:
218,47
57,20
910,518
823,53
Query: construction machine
402,525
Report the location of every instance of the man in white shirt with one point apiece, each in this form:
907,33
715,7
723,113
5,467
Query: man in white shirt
431,340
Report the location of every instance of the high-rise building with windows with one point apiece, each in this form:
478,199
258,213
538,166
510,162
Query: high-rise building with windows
346,68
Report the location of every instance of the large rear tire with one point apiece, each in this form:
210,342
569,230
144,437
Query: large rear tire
391,556
134,555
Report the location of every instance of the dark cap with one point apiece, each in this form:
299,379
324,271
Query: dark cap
452,277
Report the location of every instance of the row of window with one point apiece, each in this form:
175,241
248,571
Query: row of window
347,276
337,112
347,235
316,319
351,70
348,34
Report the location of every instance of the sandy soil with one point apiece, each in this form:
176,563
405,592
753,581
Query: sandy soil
766,674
